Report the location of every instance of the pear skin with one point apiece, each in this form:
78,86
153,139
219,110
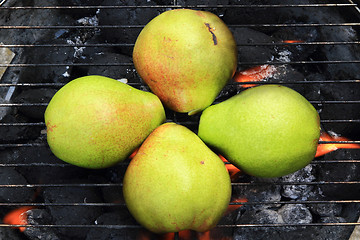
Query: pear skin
175,182
186,57
266,131
96,122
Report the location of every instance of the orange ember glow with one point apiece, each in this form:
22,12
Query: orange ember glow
293,41
254,74
233,171
325,148
233,207
134,153
17,217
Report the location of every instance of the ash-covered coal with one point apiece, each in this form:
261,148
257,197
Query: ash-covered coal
295,214
39,217
300,192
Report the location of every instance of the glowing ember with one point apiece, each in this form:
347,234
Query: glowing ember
293,41
233,171
254,74
325,148
17,217
134,153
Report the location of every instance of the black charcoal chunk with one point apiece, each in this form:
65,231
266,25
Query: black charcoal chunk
11,177
76,214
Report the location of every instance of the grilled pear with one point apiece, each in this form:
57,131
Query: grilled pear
96,122
175,182
266,131
186,57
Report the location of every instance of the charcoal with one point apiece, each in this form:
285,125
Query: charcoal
260,193
75,215
131,16
340,172
39,217
37,157
194,3
9,176
265,216
29,96
248,54
301,34
8,233
337,232
54,55
112,218
115,72
346,92
300,192
235,15
74,12
32,17
295,214
17,133
326,210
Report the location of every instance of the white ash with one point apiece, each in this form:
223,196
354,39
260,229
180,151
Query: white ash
39,217
264,216
300,192
78,51
284,56
333,134
89,21
66,74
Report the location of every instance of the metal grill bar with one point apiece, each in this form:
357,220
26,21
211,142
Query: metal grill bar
120,184
311,101
110,45
336,5
182,123
300,225
141,26
234,83
131,64
69,165
11,145
123,204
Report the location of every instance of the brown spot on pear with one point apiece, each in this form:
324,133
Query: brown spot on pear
96,122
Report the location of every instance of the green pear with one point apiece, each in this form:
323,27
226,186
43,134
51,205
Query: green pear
186,57
266,131
96,122
175,182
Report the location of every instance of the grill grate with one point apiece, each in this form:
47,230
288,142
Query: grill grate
6,7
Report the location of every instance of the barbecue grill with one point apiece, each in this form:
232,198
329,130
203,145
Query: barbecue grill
46,44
